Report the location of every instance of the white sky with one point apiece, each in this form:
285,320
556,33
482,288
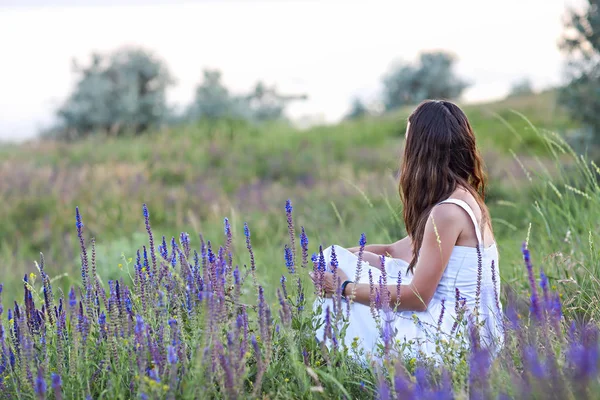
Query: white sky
329,49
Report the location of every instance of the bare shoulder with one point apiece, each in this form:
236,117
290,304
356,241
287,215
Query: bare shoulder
446,214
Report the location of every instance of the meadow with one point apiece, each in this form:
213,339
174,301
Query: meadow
161,321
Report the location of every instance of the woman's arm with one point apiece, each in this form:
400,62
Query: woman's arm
399,249
441,232
380,249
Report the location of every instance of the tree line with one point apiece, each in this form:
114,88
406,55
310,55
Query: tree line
125,91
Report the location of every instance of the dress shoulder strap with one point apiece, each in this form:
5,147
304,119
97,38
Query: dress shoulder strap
469,211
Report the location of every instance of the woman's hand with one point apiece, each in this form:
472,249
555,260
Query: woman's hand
372,259
329,284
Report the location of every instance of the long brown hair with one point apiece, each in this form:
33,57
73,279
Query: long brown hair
440,155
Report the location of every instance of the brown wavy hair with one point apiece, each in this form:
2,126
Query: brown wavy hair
440,155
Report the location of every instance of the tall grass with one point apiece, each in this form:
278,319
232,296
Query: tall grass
191,323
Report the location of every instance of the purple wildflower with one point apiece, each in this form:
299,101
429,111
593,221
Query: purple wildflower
441,318
290,221
289,259
40,384
495,282
72,297
282,281
334,261
545,291
163,250
57,386
327,331
304,246
535,302
300,298
151,239
184,238
383,389
372,296
171,355
84,257
479,279
174,248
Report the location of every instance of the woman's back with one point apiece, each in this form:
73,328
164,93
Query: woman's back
470,281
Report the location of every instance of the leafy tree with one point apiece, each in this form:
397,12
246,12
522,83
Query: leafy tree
213,101
267,104
432,77
581,42
358,109
123,91
521,88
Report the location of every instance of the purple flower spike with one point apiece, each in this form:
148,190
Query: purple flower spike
304,245
289,259
40,384
535,302
57,386
172,355
290,221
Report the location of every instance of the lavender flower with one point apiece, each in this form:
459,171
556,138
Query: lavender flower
172,355
163,250
334,261
184,238
535,302
290,221
57,386
174,252
151,239
383,389
495,282
40,384
304,245
72,297
84,257
441,318
289,259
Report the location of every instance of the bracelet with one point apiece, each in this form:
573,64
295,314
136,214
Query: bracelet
344,287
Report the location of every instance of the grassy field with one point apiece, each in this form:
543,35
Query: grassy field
342,182
341,179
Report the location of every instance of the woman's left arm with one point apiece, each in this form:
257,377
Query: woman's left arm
441,232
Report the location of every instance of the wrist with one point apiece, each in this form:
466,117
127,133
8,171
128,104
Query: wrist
345,288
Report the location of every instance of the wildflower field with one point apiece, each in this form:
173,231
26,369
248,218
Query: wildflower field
123,305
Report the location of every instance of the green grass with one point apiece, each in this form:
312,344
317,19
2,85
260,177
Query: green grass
340,178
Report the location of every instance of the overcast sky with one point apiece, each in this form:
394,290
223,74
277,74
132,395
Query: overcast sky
331,50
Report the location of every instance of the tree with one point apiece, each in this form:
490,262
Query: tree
581,42
123,91
213,100
267,104
357,110
432,77
521,88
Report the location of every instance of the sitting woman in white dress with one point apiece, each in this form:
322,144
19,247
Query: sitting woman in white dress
440,282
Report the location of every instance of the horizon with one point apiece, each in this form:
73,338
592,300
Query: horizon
331,67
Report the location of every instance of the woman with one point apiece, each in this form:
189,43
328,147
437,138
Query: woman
448,263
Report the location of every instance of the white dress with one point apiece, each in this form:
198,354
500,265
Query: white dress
421,330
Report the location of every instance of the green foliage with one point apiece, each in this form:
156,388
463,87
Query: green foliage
120,92
343,182
522,87
214,103
581,42
432,77
213,100
194,175
357,110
